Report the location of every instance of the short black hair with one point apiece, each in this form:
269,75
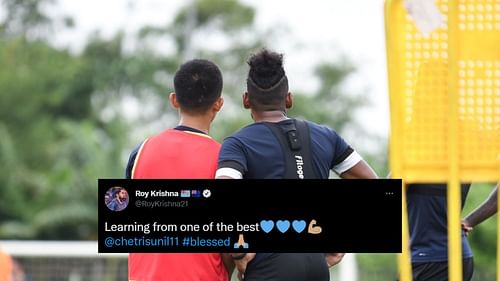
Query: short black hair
267,84
197,84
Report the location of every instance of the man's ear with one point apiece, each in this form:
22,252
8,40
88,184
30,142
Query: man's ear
173,100
217,106
246,101
289,100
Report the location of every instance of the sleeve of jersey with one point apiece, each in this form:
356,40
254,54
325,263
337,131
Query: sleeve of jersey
345,156
131,160
232,159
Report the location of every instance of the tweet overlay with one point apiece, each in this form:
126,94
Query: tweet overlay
324,216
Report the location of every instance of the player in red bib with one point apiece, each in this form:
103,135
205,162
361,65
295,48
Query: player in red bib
184,152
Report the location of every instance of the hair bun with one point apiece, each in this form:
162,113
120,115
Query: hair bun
266,68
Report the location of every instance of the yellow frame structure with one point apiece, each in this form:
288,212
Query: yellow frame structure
444,93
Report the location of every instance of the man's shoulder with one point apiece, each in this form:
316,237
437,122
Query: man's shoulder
247,131
319,127
322,132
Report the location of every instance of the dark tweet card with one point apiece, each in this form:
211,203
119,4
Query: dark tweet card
333,215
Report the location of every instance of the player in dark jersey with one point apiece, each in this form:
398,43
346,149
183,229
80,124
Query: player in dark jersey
427,217
276,146
427,211
186,152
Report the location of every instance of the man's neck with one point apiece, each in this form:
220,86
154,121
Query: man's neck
201,123
273,116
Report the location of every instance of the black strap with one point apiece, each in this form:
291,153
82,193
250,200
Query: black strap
294,138
305,137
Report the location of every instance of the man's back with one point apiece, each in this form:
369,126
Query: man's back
276,146
256,152
182,153
251,154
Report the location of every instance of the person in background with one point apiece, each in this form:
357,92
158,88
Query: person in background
5,266
427,202
10,269
428,221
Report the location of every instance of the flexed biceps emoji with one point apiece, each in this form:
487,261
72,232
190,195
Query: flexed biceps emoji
313,228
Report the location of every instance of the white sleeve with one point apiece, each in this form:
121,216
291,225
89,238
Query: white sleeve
348,163
229,172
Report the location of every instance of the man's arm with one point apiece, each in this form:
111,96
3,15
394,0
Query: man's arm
488,208
228,173
359,171
230,164
228,264
241,261
333,258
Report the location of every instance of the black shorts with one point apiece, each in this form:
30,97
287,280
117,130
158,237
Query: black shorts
438,271
288,267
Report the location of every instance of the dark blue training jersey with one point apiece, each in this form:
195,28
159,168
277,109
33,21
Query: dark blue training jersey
256,153
427,216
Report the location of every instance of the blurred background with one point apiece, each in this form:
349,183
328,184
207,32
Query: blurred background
83,82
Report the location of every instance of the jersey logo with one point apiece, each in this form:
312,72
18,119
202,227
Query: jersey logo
300,163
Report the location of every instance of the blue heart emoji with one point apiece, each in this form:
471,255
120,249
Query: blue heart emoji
283,226
299,226
267,226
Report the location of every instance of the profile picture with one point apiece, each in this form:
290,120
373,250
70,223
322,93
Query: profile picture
116,198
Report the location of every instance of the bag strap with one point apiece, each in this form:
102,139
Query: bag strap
294,139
